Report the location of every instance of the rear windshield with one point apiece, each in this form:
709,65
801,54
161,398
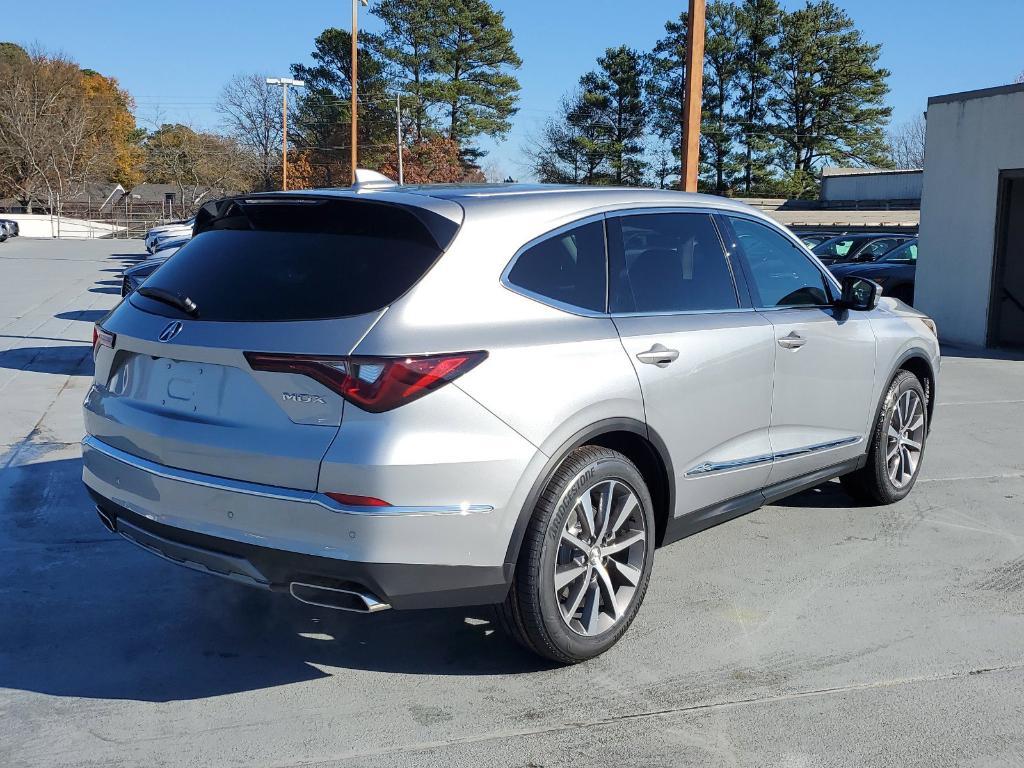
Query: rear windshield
301,260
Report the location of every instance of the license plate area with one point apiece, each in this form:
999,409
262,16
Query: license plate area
183,387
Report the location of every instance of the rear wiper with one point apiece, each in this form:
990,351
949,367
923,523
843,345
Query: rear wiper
184,303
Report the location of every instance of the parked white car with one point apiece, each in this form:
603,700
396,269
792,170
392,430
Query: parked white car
175,230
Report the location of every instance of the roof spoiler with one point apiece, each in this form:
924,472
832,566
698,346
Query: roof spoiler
233,212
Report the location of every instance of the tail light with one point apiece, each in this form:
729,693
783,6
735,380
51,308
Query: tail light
101,338
375,384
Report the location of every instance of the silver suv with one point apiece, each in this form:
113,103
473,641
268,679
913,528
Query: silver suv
413,397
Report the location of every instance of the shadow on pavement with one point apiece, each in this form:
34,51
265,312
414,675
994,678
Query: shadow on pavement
69,360
828,495
85,315
89,615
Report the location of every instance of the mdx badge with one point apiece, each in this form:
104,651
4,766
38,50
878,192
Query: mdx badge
170,331
302,397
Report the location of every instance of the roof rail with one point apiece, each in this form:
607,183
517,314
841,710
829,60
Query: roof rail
367,179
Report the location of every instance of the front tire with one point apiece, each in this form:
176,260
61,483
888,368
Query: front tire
586,559
897,445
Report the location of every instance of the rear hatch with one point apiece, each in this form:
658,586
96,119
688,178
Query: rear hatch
286,274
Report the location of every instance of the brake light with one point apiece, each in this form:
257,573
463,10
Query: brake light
101,338
375,384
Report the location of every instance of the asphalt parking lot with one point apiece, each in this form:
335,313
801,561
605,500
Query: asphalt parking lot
809,633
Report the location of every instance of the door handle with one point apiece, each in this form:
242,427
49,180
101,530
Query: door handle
793,341
658,355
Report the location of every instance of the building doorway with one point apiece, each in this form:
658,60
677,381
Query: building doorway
1006,309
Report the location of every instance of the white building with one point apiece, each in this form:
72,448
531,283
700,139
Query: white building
970,276
856,185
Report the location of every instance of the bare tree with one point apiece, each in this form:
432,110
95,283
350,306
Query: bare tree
906,144
201,165
52,138
1020,78
251,111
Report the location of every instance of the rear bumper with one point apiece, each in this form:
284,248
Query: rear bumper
270,537
401,585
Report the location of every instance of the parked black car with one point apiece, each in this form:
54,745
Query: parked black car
8,228
811,239
894,271
863,246
136,274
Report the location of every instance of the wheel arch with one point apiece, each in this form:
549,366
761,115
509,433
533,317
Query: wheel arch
916,362
632,438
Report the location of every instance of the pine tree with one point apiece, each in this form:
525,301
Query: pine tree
666,85
757,24
410,32
830,91
720,72
614,97
320,122
472,58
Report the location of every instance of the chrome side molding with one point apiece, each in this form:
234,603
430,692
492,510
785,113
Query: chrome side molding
709,467
817,447
724,466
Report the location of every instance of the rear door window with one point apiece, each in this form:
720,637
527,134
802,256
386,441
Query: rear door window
568,268
274,260
905,254
668,262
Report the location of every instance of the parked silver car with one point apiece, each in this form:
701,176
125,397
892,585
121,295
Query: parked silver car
439,396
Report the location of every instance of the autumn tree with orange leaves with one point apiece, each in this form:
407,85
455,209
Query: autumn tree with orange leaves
60,127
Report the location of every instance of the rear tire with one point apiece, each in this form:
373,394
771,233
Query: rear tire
586,559
897,445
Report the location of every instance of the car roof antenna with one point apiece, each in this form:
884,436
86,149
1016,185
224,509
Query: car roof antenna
367,179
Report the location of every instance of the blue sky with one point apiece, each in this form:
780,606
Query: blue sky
175,56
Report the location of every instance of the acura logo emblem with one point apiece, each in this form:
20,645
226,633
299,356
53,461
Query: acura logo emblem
170,331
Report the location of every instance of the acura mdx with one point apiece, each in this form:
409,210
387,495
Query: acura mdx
411,397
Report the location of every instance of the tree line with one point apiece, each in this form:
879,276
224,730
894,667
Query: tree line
784,93
452,64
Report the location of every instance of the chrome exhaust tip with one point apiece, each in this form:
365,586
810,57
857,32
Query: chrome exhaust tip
335,598
108,522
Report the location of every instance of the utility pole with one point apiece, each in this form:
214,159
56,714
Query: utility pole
398,133
284,82
689,150
355,79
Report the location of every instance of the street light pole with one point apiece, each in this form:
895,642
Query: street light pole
689,150
355,79
398,132
284,82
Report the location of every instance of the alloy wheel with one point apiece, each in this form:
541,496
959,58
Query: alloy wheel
600,557
905,438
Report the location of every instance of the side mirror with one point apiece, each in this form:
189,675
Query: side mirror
860,294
